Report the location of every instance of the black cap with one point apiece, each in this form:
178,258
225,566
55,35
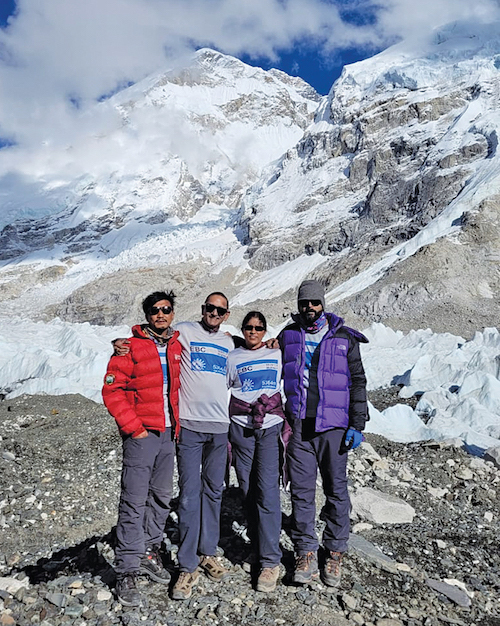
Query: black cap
311,290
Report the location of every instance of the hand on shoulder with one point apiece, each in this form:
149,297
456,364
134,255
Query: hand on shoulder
121,346
272,343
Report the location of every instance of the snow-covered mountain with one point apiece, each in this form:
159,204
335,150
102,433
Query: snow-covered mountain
402,153
217,175
158,181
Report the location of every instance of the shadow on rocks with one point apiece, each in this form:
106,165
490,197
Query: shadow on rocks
87,556
235,541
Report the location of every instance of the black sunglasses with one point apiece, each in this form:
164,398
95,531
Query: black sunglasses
154,310
259,329
304,303
210,308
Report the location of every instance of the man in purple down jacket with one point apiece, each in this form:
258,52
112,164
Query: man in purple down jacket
325,387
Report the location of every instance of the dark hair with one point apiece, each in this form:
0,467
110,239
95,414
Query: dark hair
218,293
258,315
155,297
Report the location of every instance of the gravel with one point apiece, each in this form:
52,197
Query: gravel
60,462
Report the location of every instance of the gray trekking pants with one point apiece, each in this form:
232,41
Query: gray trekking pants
147,474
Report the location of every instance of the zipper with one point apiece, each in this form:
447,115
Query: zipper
302,390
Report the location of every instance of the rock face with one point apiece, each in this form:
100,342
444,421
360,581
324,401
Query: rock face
60,488
399,154
385,155
449,285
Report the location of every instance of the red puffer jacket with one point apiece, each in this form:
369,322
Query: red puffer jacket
133,385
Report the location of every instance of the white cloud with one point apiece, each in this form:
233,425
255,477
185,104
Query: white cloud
408,18
57,49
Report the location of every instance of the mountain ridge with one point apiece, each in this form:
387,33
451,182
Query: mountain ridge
400,157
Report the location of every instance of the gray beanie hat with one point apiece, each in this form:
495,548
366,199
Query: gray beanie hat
311,290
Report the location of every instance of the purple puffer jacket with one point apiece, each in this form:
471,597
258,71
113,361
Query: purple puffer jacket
341,377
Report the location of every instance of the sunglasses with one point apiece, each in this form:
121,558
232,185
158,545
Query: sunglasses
304,303
154,310
259,329
210,308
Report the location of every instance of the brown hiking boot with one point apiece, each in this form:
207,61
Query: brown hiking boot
268,578
331,571
183,588
213,568
306,568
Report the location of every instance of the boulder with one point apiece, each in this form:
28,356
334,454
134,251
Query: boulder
493,454
453,592
380,508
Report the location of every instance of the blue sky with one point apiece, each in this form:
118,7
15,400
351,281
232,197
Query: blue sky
318,70
6,8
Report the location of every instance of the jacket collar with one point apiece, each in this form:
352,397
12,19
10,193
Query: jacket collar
140,330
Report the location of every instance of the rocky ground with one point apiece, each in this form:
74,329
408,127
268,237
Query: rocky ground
424,549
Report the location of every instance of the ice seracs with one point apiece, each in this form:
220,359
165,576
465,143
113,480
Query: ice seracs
456,380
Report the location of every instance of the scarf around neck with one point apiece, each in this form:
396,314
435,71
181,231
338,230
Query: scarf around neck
162,340
316,326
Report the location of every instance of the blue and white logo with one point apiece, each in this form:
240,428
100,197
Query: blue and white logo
247,385
258,375
208,357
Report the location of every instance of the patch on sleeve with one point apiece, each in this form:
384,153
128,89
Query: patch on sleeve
109,379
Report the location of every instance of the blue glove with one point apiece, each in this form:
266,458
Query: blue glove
353,438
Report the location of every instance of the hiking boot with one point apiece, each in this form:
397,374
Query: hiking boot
152,566
331,571
213,568
126,589
183,588
268,578
306,568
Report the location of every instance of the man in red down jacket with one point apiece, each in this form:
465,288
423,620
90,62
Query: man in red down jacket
141,391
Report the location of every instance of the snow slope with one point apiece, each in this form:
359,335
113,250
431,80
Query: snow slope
402,148
154,178
161,170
